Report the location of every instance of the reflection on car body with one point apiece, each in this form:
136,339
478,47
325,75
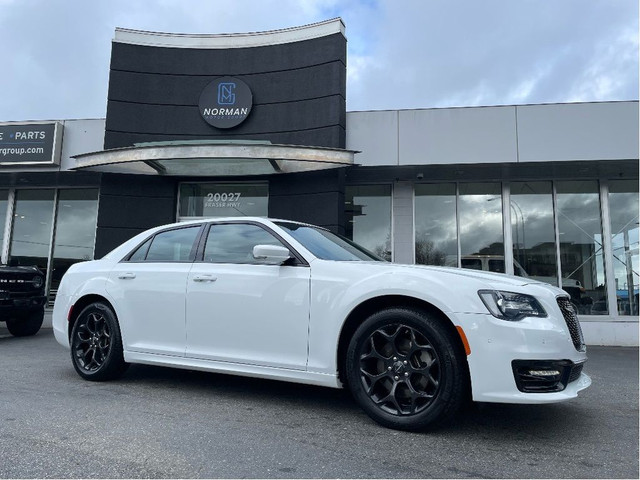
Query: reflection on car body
289,301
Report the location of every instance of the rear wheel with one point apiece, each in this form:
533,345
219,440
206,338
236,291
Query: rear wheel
27,325
406,369
96,344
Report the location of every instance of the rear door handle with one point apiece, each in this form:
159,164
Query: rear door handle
127,276
204,278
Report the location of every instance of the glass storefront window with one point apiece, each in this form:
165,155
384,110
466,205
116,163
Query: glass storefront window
581,250
368,217
435,224
4,203
480,218
623,211
32,224
76,217
223,200
533,232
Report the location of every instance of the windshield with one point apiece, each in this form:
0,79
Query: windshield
326,245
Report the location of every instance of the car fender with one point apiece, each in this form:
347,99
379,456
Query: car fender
334,297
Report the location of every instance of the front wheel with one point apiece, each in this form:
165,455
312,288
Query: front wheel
406,369
96,344
28,325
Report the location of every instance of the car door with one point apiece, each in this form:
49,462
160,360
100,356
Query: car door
241,311
149,289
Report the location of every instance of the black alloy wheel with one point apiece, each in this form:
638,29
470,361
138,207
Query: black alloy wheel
96,344
405,369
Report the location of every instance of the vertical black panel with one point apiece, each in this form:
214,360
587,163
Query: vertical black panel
311,197
130,204
299,92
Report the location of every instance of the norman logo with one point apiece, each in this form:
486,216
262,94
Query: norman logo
225,93
226,102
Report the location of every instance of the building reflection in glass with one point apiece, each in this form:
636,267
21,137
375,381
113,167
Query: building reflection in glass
532,230
435,224
623,208
4,203
581,249
32,228
368,217
76,216
480,218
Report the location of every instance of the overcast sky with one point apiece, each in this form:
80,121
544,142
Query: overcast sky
401,53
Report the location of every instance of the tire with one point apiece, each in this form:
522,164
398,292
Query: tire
27,325
96,344
406,369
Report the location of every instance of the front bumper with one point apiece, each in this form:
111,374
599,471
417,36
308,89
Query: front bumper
10,306
504,354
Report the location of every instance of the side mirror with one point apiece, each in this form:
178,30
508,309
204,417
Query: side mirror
271,254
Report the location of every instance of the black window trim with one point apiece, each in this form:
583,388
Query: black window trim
300,261
192,253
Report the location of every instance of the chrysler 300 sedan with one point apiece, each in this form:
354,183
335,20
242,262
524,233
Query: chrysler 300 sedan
290,301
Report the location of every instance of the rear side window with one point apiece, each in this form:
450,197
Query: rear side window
170,246
141,252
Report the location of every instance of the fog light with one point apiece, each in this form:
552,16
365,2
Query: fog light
544,373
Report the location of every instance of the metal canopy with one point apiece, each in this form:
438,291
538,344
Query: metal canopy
213,158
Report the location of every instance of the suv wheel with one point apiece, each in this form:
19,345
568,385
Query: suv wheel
27,325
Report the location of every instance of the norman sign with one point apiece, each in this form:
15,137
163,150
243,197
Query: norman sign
29,144
226,102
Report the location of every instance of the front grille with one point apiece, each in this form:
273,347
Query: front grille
14,283
571,317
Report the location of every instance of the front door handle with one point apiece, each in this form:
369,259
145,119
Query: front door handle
204,278
127,276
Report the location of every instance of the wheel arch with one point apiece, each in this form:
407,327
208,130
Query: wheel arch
81,304
368,307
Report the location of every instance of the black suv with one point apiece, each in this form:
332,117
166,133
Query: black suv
22,299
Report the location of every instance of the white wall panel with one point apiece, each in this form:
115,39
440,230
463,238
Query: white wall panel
457,135
375,134
81,136
579,131
403,244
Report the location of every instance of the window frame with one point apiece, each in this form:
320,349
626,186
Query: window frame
297,259
150,239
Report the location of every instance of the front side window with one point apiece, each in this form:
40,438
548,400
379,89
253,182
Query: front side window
172,245
234,242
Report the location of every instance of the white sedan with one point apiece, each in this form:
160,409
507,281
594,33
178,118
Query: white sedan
289,301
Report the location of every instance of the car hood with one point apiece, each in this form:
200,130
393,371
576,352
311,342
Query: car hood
484,279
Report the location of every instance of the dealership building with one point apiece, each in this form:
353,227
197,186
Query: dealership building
256,124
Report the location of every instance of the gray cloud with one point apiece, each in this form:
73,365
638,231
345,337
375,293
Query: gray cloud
402,53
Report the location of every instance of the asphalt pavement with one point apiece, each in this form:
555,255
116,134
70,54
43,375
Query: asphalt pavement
163,423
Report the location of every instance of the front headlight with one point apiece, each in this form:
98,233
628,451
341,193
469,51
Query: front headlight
37,282
511,306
